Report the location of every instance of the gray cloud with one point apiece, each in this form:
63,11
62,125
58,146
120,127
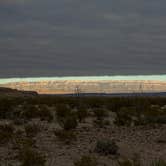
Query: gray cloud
75,37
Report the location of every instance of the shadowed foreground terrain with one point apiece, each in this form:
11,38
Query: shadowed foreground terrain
38,130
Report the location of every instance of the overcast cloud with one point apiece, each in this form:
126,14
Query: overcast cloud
82,37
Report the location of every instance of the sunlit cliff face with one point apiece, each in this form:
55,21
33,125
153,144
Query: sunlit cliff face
101,84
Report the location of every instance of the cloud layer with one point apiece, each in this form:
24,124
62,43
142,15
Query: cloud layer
75,37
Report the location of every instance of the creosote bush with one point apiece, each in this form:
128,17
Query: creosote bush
101,123
36,111
29,111
86,161
69,123
6,105
128,162
66,136
106,147
6,133
30,157
45,113
158,163
32,130
82,113
100,113
124,116
66,117
62,111
21,141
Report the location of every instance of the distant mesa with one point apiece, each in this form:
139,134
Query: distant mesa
106,85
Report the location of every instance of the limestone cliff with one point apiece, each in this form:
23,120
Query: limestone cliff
89,86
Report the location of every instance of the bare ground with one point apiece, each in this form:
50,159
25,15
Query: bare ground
148,142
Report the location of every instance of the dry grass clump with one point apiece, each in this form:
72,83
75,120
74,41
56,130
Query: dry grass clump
86,161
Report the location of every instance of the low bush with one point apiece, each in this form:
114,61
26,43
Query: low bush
29,111
66,118
135,161
82,113
106,147
86,161
36,111
100,113
6,133
65,136
62,111
153,117
5,108
45,113
128,162
158,163
30,157
123,117
22,142
101,123
32,130
69,123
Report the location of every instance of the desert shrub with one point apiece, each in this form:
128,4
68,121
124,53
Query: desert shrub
36,111
6,133
69,123
106,147
86,161
82,113
126,162
123,117
31,130
154,116
135,161
65,136
100,113
94,102
158,163
22,142
30,157
19,121
30,111
5,108
101,123
45,113
62,111
66,117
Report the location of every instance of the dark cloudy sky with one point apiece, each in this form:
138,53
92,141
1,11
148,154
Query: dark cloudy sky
82,37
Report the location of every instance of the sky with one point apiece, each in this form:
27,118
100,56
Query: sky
42,38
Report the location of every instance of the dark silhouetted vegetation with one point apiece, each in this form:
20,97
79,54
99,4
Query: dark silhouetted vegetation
6,133
106,147
86,161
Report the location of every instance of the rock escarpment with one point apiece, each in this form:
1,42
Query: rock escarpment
89,86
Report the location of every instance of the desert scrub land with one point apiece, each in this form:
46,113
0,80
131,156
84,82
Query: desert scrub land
82,131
